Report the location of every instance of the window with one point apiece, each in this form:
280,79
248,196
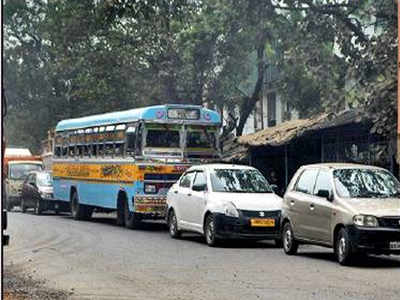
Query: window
131,139
271,98
366,183
200,139
200,179
163,138
239,181
307,181
323,182
186,180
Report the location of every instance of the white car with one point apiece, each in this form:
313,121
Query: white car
223,201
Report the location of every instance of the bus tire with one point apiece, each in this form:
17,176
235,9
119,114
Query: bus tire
129,218
121,210
79,211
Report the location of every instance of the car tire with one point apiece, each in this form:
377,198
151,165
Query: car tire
38,206
79,211
173,225
278,243
9,205
210,231
290,245
23,206
130,220
343,248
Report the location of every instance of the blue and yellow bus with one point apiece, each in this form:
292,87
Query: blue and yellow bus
126,161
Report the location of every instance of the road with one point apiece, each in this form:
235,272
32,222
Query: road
98,260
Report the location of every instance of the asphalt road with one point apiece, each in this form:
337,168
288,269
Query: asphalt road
98,260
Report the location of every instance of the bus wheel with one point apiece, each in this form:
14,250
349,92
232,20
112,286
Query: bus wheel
129,217
79,211
121,211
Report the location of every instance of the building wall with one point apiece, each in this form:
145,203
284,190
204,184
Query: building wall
258,120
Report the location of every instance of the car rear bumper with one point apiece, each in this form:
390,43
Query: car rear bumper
374,240
240,228
13,200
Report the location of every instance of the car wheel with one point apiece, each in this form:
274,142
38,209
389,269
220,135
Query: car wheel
290,245
173,225
9,205
130,220
79,211
210,231
38,206
343,248
23,206
278,243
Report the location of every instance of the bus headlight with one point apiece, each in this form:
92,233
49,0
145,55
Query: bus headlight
150,189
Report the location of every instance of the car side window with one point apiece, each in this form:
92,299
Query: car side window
306,182
200,179
323,182
186,180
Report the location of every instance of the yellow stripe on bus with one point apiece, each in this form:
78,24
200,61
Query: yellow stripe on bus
110,172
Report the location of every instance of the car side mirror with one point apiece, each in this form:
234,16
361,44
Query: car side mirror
325,194
199,187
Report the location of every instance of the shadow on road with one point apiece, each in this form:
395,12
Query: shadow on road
363,261
111,220
230,244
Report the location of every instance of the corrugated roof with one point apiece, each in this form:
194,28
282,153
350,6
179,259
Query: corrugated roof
287,131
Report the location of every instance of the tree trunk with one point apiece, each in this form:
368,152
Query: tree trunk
249,103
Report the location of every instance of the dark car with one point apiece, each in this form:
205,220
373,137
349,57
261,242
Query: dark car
37,193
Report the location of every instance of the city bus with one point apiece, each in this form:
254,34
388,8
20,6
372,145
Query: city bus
126,161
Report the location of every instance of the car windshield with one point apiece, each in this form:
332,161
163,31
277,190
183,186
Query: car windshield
44,179
239,181
366,183
20,171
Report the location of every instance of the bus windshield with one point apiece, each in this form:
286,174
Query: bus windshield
162,137
202,138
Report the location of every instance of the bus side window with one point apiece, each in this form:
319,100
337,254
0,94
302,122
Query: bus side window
130,140
57,151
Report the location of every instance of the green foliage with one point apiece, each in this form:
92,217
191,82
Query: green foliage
70,58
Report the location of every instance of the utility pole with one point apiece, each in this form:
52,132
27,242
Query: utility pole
398,84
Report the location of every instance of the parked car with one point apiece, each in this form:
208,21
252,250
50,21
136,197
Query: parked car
351,208
223,201
37,193
15,170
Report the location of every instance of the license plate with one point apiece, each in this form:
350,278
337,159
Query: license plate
262,222
394,245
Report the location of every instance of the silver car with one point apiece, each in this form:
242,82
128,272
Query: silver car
351,208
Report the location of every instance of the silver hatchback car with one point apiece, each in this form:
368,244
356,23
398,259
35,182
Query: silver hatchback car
348,207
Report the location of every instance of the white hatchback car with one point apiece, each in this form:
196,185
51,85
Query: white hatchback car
224,201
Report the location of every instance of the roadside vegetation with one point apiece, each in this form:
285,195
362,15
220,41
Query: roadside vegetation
70,58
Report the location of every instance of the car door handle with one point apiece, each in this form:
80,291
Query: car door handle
312,207
291,202
176,192
189,194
